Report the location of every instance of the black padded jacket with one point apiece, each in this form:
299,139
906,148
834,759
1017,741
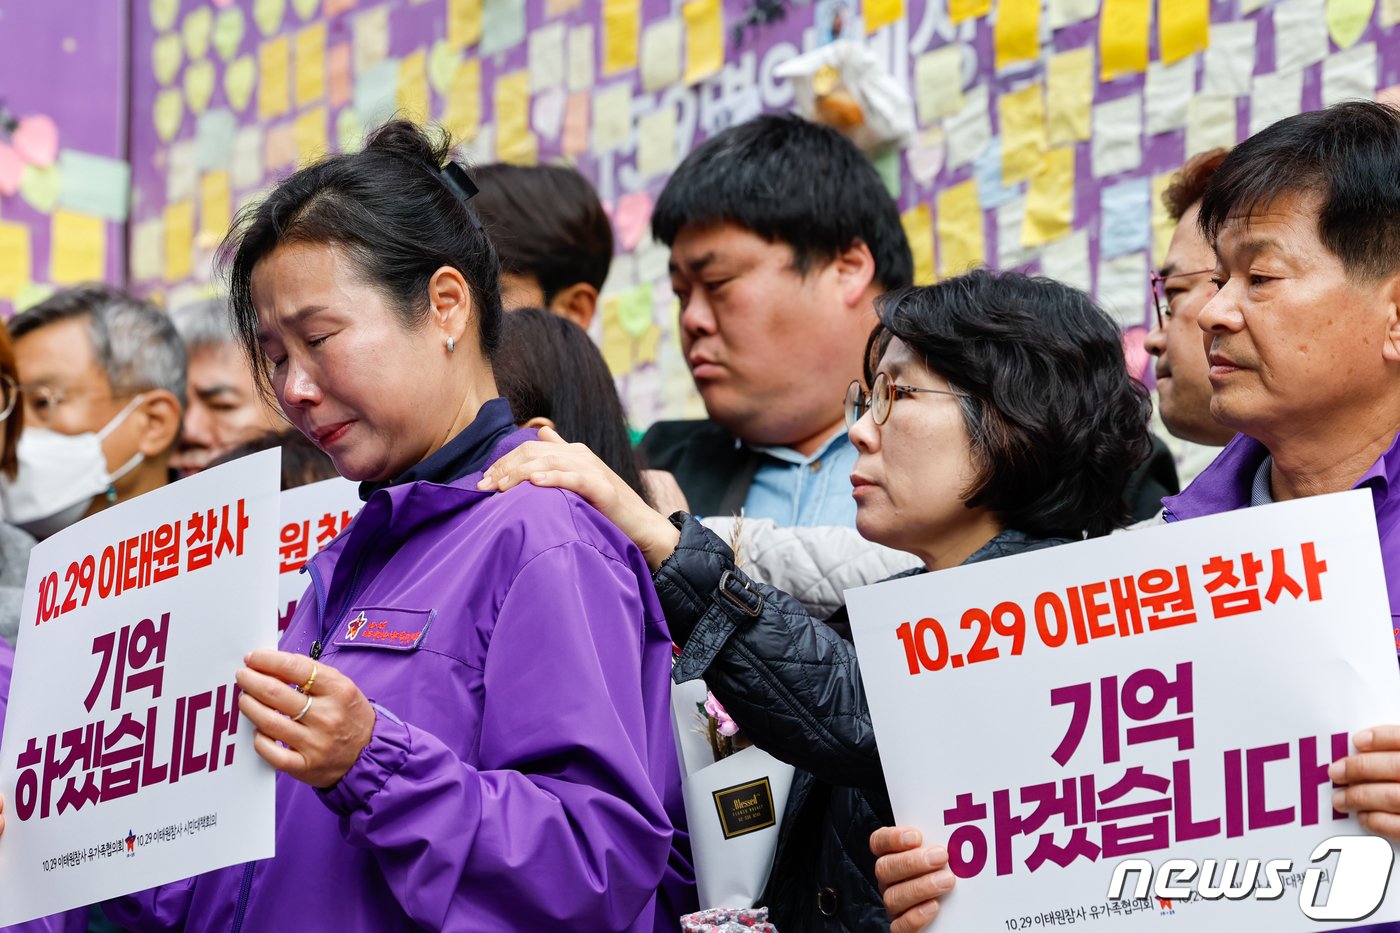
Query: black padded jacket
792,683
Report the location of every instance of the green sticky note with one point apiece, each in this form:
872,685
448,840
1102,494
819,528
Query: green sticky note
39,187
94,184
887,164
634,310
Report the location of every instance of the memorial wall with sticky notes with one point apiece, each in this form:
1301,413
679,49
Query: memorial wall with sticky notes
1043,131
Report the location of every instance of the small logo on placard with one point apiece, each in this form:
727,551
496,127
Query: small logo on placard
356,624
745,808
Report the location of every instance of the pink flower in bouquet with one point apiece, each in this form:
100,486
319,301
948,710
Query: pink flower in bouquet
724,725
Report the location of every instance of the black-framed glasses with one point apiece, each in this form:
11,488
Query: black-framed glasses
880,399
1159,292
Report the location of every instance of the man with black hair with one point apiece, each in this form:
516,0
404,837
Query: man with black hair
781,234
1303,342
552,235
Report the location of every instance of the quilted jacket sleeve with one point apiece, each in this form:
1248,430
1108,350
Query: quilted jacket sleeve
787,678
814,565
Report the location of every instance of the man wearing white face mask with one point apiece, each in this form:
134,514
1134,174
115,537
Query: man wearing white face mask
102,380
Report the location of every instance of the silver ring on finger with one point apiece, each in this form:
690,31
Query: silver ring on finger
304,710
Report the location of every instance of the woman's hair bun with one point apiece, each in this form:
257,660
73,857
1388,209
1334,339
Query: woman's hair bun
412,142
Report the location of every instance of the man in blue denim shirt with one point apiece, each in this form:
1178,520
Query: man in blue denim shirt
781,234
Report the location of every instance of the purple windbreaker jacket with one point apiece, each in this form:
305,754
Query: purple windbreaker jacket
1226,484
522,773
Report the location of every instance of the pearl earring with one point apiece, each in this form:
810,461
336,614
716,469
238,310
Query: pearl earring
451,345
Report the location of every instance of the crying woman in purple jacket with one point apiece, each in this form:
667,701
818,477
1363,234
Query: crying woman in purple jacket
470,710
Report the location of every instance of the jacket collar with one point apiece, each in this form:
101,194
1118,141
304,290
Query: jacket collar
395,513
1227,484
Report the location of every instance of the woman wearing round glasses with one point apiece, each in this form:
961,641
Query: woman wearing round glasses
1000,419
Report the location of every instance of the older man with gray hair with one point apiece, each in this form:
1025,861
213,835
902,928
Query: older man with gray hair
224,408
102,379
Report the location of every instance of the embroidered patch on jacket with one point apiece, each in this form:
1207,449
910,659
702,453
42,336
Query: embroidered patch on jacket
745,808
377,627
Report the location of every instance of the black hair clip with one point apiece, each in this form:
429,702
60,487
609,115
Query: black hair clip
458,181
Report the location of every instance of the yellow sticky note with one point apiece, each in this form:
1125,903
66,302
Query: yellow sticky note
959,10
612,117
961,243
215,208
661,55
77,248
311,64
310,131
1347,20
1069,96
412,98
617,343
938,83
462,116
880,13
645,347
1123,34
1022,115
704,39
1017,34
918,230
14,271
463,22
274,78
1162,224
656,142
1183,28
1050,199
179,240
514,141
621,34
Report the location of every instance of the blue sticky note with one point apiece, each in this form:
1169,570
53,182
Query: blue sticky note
987,169
93,184
502,25
376,93
1125,218
213,139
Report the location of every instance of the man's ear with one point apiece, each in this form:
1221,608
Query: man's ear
159,423
577,302
855,272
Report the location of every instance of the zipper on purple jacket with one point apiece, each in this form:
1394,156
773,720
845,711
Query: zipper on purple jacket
320,590
243,892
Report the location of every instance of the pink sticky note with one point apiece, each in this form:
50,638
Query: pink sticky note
632,218
575,134
341,84
36,140
11,168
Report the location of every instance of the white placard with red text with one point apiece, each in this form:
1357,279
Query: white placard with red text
1052,714
312,516
125,763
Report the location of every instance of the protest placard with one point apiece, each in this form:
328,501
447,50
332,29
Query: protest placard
312,516
1171,693
125,763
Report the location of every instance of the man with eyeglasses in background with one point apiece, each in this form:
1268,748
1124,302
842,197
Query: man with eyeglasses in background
102,382
1181,289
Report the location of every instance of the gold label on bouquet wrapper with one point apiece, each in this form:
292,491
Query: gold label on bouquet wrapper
745,808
